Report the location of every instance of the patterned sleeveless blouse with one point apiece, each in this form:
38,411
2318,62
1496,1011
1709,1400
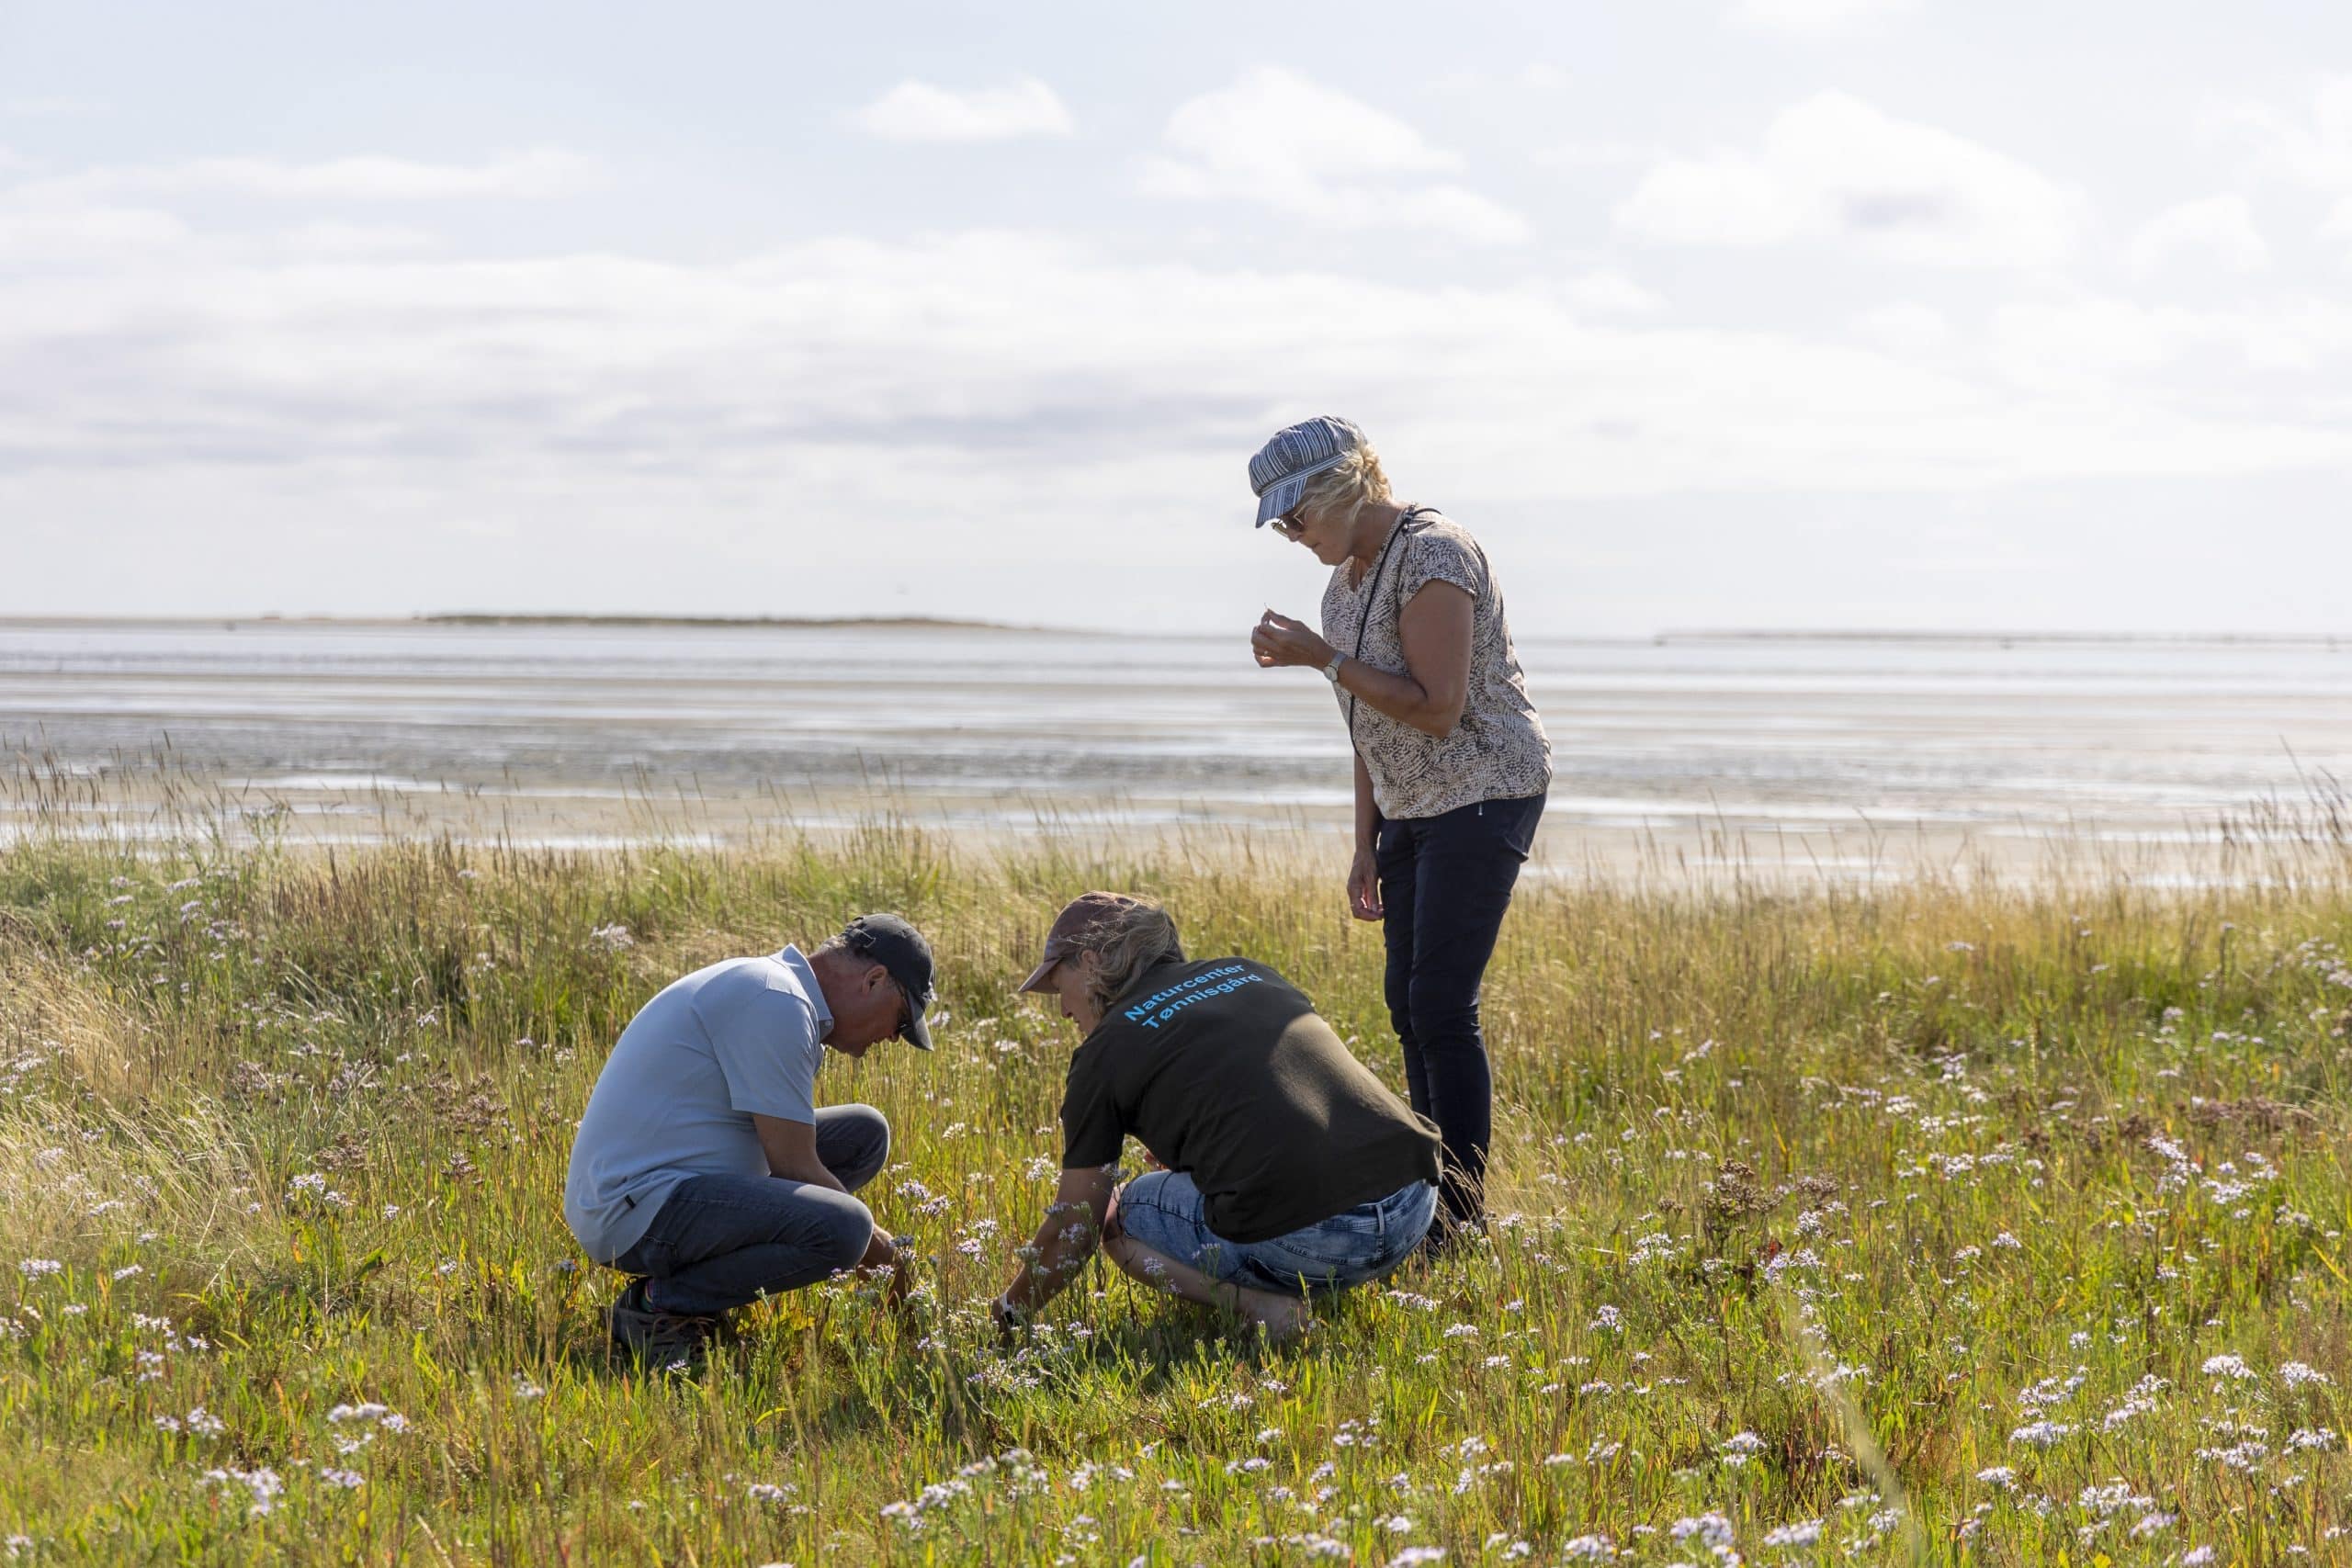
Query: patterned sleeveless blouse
1499,750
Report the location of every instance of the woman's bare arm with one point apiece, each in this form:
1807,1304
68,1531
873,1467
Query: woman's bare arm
1363,868
1072,1227
1434,627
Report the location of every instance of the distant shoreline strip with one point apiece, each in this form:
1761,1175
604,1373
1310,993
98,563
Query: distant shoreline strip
2330,642
878,623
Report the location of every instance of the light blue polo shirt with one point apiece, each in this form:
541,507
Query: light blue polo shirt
677,1096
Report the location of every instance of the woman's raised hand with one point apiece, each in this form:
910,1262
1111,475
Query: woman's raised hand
1278,640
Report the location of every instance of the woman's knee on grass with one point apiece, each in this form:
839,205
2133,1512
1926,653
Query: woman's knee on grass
1136,1260
1116,1243
1120,1249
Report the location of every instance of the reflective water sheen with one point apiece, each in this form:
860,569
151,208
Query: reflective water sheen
2136,739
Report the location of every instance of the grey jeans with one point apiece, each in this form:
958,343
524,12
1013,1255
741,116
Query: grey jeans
721,1242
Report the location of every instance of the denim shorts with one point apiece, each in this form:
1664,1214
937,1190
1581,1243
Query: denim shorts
1165,1212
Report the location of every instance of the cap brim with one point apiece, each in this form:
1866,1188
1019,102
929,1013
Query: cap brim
917,1033
1283,494
1280,498
1037,981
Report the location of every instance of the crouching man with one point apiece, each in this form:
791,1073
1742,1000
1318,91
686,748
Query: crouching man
1288,1168
702,1166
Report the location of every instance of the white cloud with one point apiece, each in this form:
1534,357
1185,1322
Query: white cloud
1907,328
1609,293
1835,168
1813,15
851,374
2096,347
2312,149
1537,76
918,111
354,240
1278,139
86,233
2218,230
2083,346
540,171
1598,155
1275,124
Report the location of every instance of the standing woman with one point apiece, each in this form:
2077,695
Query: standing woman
1451,762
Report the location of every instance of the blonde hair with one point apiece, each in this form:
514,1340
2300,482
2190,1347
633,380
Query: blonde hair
1349,486
1125,945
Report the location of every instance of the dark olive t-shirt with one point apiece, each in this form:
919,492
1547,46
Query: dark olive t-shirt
1226,1073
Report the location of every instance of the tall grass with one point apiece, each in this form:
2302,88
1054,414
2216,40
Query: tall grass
1957,1220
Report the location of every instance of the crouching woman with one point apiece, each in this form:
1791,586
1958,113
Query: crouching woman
1287,1168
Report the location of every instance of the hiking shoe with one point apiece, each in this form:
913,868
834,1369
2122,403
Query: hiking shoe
657,1339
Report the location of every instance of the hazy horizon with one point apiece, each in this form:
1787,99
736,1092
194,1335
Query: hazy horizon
493,618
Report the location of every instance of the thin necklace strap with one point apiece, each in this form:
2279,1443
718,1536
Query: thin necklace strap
1395,531
1372,591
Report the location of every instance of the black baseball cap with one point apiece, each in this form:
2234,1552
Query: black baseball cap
896,945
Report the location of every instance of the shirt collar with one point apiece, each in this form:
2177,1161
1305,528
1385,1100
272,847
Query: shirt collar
792,958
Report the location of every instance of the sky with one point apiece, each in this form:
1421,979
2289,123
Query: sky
1904,314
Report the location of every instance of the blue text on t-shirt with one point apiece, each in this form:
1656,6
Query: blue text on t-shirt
1209,983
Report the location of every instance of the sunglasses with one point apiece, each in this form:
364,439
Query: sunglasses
1288,526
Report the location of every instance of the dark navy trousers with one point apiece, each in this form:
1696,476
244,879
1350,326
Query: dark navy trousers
1445,882
722,1242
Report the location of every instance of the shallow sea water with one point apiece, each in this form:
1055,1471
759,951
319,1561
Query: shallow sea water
571,732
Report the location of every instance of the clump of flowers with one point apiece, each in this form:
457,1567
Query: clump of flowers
310,1191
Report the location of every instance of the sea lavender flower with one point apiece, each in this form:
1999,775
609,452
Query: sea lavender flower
1711,1530
2043,1434
263,1483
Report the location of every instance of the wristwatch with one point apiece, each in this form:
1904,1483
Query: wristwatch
1331,670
